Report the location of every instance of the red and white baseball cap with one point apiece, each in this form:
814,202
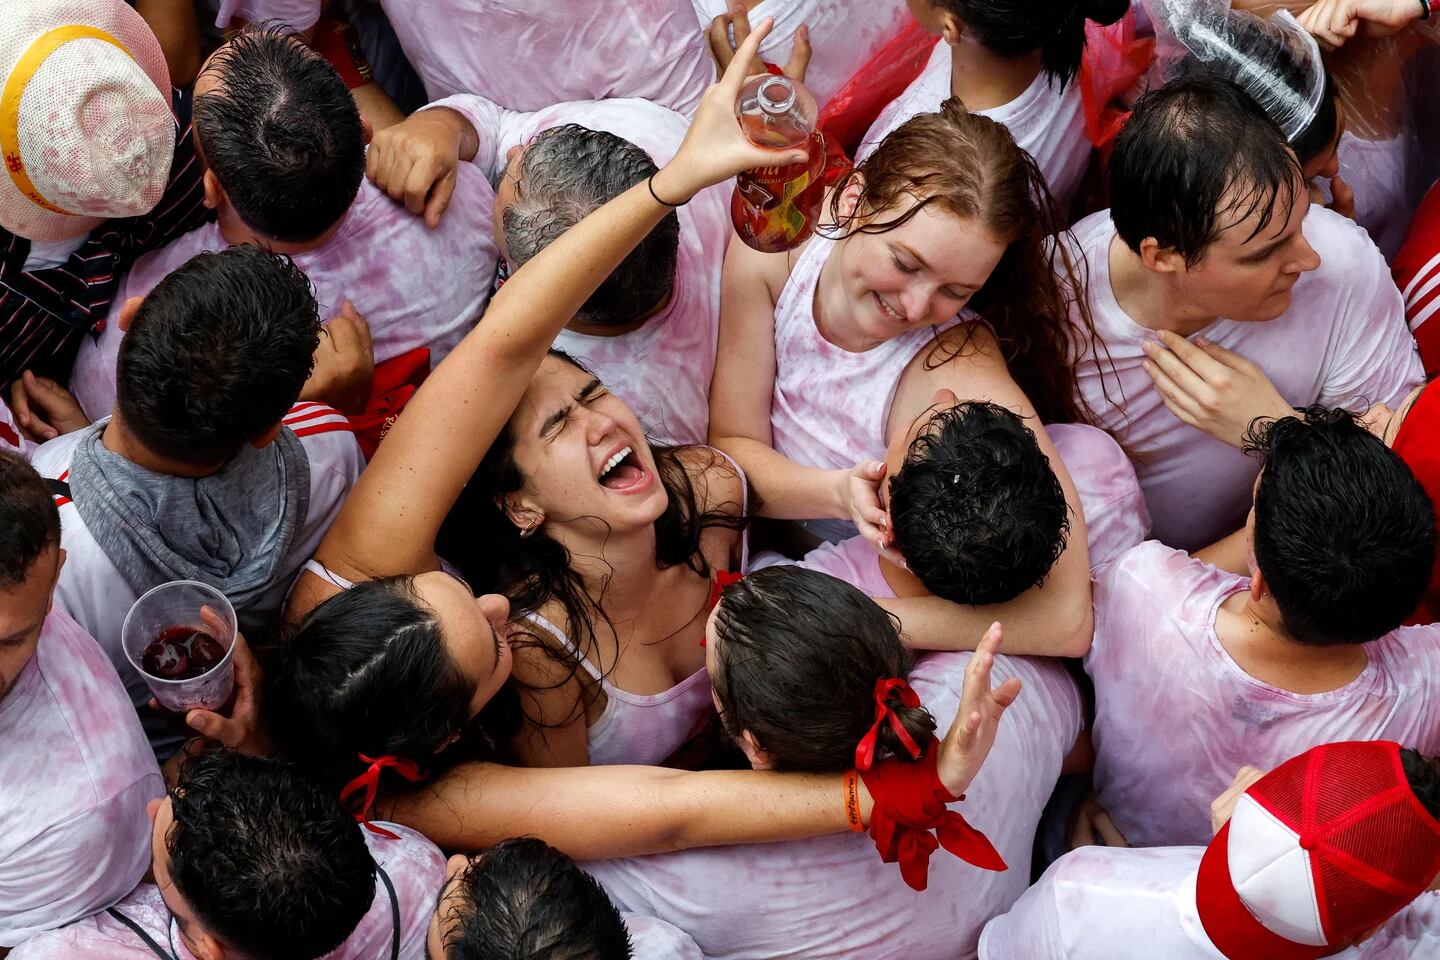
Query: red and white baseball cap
1327,846
86,130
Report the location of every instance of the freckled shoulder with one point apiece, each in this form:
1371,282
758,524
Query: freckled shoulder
719,485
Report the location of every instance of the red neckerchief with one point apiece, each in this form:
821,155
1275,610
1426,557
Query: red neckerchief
369,781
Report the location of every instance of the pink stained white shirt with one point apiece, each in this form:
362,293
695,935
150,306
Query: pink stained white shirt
652,939
414,865
831,897
1047,122
1104,903
416,287
1114,508
75,776
843,34
529,54
663,368
92,589
1343,342
295,14
1176,717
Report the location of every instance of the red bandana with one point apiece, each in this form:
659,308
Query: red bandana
369,781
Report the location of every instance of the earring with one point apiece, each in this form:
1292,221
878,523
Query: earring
530,527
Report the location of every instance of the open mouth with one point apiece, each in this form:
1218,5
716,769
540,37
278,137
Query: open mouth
890,313
622,471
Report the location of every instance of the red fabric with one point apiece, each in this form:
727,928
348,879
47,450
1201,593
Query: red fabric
859,101
369,781
396,381
865,749
910,802
333,40
1372,848
1111,69
1418,444
1417,273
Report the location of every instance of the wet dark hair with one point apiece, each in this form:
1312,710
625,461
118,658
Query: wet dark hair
970,166
978,513
1251,33
282,133
796,665
1013,28
1198,156
486,546
271,863
216,354
367,671
566,173
29,520
524,900
1423,775
1344,533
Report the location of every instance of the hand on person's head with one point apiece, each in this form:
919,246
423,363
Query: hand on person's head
344,364
43,409
1332,22
730,30
415,162
1210,388
715,147
858,497
970,737
1223,806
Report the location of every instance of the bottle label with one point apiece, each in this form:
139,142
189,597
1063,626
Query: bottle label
775,208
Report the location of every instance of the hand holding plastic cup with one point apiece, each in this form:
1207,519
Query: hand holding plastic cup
180,636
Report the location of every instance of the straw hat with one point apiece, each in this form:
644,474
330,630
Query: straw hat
86,129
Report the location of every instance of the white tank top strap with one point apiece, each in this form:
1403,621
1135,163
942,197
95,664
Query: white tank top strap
798,294
745,503
326,574
569,645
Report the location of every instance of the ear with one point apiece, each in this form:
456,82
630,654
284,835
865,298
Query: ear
850,196
215,197
1259,589
128,311
366,130
1158,259
520,513
204,946
758,756
266,438
952,28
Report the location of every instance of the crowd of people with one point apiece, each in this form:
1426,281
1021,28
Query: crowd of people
1061,513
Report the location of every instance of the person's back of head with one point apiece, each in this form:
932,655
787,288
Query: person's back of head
1344,535
281,132
1197,156
524,900
795,659
216,354
566,173
266,858
976,510
1014,28
29,520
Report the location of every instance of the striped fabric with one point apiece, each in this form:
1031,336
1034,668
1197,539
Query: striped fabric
44,313
1417,273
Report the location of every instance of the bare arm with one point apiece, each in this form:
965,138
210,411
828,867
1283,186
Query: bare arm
174,25
1231,554
1054,619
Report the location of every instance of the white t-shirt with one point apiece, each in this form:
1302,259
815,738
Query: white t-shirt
663,368
75,776
831,897
295,14
1103,903
95,593
414,865
529,54
843,34
652,939
1343,342
1176,717
1047,122
416,287
42,256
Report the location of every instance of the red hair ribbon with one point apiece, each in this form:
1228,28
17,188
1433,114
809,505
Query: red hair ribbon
865,749
369,781
910,802
718,582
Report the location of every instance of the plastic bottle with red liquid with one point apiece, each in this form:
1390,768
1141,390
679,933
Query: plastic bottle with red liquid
775,208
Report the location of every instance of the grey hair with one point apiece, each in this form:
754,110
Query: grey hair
566,173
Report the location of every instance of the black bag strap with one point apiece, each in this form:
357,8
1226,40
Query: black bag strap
140,932
394,913
58,488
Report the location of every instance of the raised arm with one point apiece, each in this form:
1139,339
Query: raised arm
388,524
1055,618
